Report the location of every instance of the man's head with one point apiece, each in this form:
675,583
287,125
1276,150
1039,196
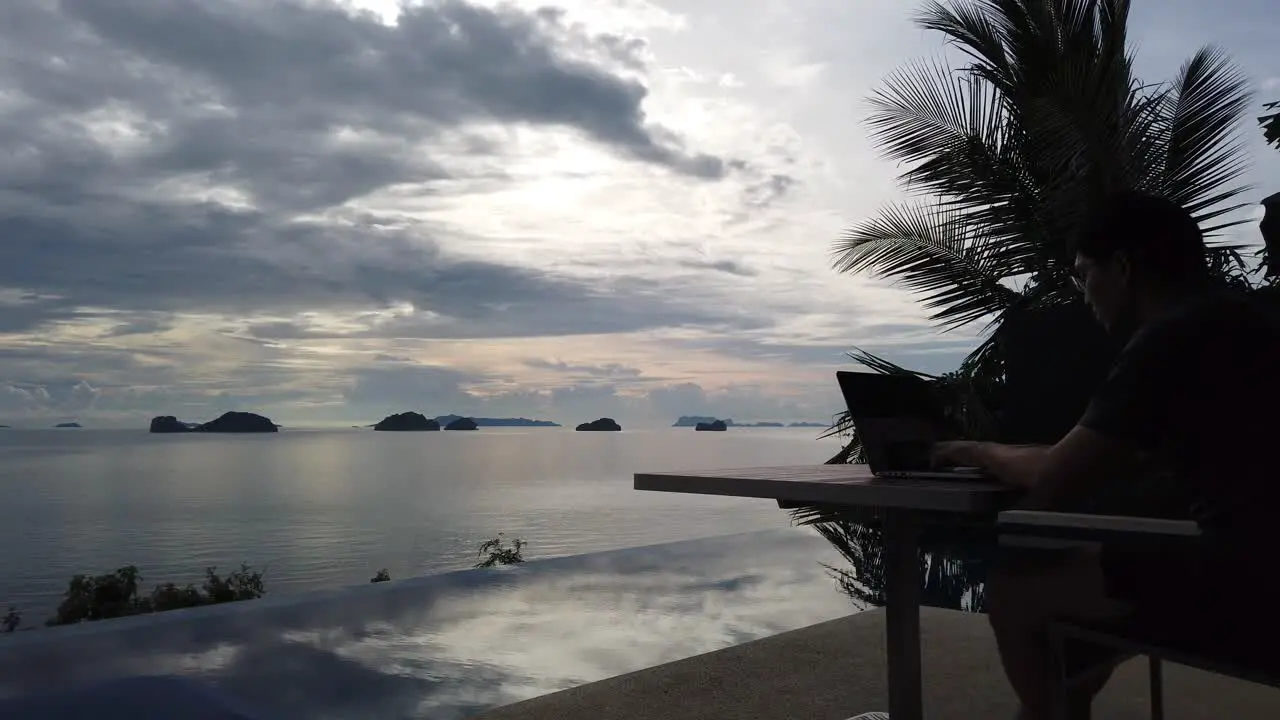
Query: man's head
1139,251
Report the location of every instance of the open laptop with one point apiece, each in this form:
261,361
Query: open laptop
898,420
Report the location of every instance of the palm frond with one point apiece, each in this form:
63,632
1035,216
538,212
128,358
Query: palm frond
930,251
1205,157
1270,124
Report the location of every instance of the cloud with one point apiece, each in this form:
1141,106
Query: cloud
609,370
159,152
299,207
730,267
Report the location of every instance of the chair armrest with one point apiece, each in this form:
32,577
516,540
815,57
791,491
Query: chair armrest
1094,528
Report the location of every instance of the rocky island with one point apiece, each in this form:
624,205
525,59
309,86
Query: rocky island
68,425
239,422
713,426
603,424
407,422
229,422
171,424
462,424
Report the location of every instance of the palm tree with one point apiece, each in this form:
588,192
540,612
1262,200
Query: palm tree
1015,149
1011,152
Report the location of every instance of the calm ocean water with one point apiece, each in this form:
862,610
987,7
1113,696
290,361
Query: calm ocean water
326,508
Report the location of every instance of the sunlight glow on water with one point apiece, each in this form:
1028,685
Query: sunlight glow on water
324,509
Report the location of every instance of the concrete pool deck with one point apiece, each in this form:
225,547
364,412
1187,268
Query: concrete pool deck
835,669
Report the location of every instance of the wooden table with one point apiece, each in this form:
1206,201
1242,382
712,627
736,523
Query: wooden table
902,502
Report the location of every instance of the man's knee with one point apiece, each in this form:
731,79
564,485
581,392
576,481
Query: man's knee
1008,597
1029,590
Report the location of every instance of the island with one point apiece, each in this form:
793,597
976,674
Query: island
809,425
714,426
229,422
498,422
603,424
68,425
462,424
407,422
239,422
695,420
762,424
171,424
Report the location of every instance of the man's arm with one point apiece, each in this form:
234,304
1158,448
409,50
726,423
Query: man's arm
1015,465
1081,462
1126,416
1052,474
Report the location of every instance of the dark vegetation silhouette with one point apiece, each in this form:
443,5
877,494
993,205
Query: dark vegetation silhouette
122,593
1008,155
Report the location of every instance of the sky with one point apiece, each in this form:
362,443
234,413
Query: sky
330,212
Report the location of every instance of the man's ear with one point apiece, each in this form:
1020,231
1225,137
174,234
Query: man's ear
1123,267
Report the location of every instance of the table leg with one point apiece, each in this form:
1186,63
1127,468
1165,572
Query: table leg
902,613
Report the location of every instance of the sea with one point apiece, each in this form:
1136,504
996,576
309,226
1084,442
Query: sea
325,508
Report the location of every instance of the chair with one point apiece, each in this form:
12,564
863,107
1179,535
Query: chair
1158,640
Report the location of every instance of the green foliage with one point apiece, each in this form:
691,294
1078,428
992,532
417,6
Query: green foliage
1270,123
381,576
497,552
118,594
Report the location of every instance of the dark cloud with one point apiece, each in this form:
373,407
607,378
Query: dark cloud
302,105
117,115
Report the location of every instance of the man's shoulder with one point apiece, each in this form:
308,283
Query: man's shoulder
1216,313
1213,329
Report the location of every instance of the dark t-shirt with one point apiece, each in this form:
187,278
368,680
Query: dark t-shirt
1196,389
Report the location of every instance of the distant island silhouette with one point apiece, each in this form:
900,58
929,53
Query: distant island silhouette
462,423
603,424
714,426
695,420
499,422
407,421
68,425
229,422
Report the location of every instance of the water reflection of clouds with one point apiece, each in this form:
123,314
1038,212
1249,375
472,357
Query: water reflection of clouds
455,644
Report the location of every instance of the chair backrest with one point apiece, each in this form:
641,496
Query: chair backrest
1055,358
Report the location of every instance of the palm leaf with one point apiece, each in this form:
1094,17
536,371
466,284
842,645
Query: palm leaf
930,251
1270,124
1205,157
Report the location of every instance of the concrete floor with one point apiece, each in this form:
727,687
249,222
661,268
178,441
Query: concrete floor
836,669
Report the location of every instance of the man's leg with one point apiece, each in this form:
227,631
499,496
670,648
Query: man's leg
1022,598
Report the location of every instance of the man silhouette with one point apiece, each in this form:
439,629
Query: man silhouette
1190,392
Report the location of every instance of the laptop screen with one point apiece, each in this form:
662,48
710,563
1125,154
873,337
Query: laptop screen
871,395
906,454
898,419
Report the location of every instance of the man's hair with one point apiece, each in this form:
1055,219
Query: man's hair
1160,238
